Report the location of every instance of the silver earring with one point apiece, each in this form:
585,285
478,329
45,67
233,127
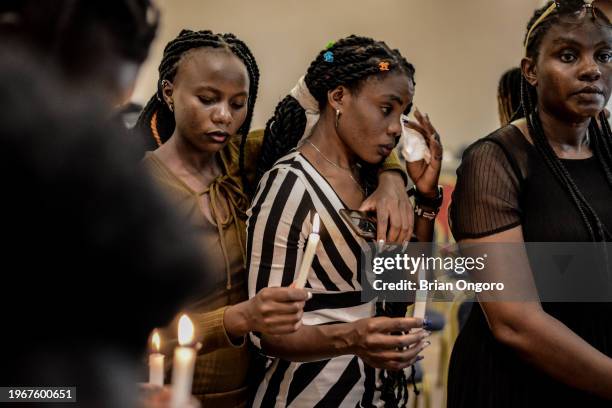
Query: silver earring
171,106
338,113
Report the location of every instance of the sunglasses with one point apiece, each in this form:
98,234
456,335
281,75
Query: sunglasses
599,10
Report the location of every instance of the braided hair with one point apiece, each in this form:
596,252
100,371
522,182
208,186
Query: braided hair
156,122
601,138
355,59
509,96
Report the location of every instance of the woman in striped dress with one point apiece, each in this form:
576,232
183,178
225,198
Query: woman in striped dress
345,354
200,118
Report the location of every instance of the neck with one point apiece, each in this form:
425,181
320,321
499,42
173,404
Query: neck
327,140
565,134
178,150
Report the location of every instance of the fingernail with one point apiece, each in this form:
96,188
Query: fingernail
405,245
426,344
309,295
381,245
425,334
419,358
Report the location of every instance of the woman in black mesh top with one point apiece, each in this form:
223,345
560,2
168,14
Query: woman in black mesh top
545,178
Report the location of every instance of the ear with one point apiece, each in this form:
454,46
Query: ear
529,70
337,97
167,90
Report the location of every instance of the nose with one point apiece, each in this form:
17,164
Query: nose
395,129
590,71
221,115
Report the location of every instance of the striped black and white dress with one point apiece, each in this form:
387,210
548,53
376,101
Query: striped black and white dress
278,228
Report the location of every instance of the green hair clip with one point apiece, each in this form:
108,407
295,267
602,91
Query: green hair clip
329,45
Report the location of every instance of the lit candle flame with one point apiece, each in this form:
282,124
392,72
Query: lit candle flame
156,340
185,331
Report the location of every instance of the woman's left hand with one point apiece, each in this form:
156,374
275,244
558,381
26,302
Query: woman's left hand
394,213
425,175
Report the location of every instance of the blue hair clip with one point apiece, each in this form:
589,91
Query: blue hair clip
328,56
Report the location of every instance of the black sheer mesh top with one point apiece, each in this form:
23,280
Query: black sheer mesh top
486,197
504,182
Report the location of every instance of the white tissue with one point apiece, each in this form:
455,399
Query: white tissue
412,145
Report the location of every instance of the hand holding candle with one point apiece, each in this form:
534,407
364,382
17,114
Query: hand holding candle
311,249
183,364
156,362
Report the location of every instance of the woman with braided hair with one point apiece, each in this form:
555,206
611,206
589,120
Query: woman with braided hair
343,114
207,90
199,119
545,178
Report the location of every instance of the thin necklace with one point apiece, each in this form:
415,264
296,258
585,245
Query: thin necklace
347,169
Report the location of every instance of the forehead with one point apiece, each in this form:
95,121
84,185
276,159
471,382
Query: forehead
212,66
393,83
586,34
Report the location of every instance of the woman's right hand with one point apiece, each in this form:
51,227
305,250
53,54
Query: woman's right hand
425,175
272,311
373,341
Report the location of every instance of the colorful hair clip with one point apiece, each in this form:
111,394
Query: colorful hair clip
329,45
328,56
383,66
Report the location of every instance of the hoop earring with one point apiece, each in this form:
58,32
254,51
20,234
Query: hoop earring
338,113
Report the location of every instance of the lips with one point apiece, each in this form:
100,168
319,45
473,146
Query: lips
385,150
589,90
218,136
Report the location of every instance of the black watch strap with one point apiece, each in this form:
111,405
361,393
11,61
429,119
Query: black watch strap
428,202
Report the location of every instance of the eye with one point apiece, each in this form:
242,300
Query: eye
238,104
386,110
567,57
604,57
206,100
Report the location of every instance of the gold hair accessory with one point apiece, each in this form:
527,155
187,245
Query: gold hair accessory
545,14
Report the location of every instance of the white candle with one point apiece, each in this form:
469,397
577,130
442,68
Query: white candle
420,299
311,249
183,364
156,362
